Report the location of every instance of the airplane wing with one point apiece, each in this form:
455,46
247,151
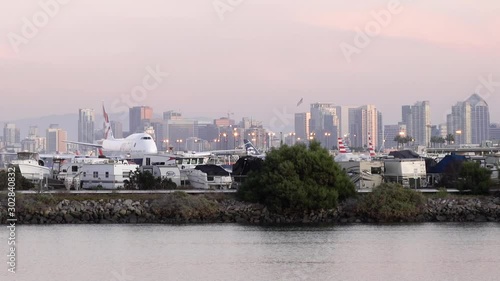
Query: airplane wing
57,156
85,144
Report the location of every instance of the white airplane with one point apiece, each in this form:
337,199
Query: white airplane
252,150
134,145
349,156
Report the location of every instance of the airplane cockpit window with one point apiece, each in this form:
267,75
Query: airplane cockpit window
145,138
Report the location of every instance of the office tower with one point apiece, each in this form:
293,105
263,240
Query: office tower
343,115
11,134
459,123
86,124
56,139
301,125
363,121
417,118
117,128
137,115
480,119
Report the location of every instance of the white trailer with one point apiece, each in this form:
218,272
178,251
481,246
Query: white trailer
164,171
407,172
111,175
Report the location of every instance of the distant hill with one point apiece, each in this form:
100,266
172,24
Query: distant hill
68,122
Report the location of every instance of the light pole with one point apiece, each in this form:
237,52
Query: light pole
179,142
327,136
234,140
459,134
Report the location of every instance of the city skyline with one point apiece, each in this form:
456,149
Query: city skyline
192,60
468,121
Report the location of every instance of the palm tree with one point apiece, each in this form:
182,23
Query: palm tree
449,138
399,139
434,140
440,140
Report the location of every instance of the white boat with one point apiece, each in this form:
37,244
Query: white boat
31,166
209,177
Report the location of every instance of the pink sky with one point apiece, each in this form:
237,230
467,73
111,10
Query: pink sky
262,58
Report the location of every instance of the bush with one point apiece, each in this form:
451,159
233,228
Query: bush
391,202
297,177
182,205
21,182
147,181
475,178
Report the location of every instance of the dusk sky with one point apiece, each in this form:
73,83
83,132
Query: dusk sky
256,59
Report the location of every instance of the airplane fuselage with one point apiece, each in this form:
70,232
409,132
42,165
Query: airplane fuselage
135,143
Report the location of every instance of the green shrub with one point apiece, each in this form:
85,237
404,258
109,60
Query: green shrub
183,205
391,202
475,178
147,181
442,193
297,177
21,182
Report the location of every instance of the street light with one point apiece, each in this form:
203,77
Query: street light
327,137
235,135
178,144
458,133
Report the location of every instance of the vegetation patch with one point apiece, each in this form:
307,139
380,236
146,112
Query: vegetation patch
391,202
182,205
297,178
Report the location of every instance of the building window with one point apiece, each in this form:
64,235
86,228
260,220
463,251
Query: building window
96,174
107,174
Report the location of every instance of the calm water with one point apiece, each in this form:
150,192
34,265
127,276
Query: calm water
233,252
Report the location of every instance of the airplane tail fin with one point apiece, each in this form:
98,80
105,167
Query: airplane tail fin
250,149
108,133
370,146
341,146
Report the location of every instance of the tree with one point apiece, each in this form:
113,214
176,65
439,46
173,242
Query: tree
475,178
433,141
297,178
450,138
440,140
403,140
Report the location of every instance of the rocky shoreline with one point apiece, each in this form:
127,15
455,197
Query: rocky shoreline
179,209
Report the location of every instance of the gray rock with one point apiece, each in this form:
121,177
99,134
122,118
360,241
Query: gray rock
441,218
68,218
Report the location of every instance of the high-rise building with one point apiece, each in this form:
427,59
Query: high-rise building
343,115
459,122
494,132
301,125
137,115
56,139
117,128
362,122
417,118
469,121
11,134
86,124
480,119
319,111
380,129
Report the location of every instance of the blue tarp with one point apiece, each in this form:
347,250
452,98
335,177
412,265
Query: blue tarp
446,162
